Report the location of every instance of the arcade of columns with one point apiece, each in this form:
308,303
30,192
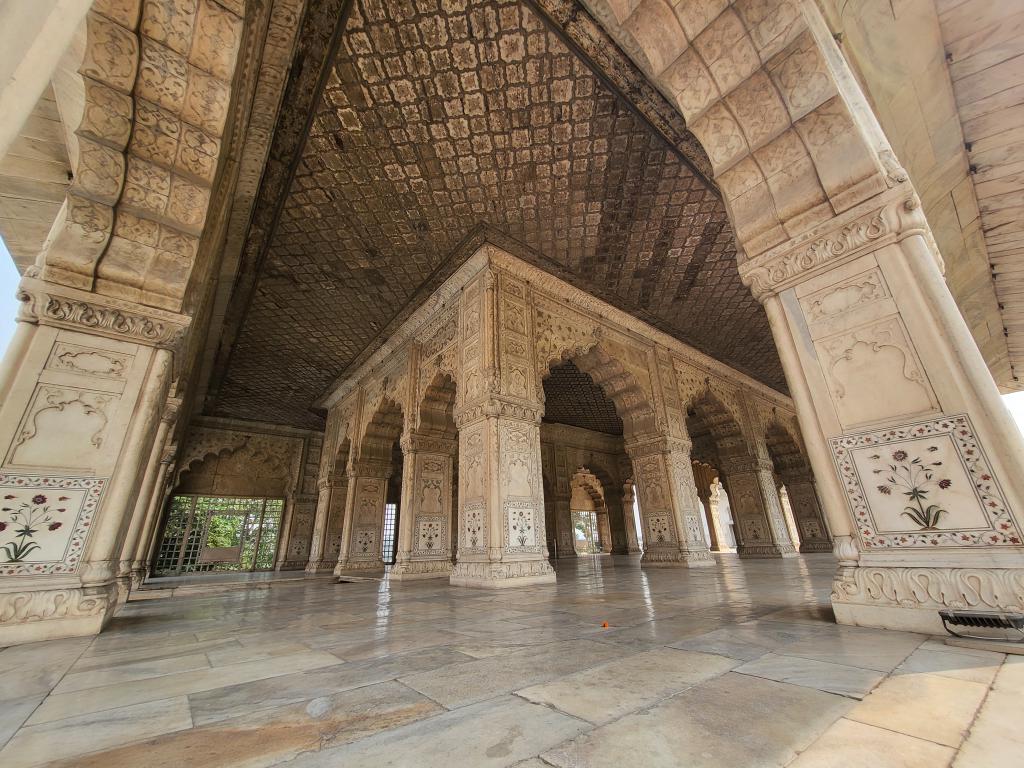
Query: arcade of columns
462,380
888,387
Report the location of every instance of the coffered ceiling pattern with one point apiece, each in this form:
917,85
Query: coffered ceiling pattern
444,124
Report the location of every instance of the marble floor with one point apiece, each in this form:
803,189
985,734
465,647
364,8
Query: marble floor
738,665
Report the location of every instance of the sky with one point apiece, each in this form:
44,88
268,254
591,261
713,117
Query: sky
9,308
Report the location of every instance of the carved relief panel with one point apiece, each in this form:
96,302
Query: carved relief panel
925,485
44,522
876,357
432,504
368,514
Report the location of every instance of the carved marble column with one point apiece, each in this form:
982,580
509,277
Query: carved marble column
364,517
130,573
424,537
146,550
501,541
810,521
668,502
618,525
888,381
330,504
604,531
706,478
632,540
759,524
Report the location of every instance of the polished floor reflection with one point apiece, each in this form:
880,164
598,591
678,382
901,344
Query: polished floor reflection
738,665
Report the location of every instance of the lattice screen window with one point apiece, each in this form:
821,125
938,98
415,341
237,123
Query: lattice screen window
219,533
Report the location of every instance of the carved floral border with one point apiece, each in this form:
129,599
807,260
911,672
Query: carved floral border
1003,531
83,521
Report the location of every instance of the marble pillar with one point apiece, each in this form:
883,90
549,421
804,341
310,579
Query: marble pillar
501,537
364,517
424,535
668,502
760,526
807,514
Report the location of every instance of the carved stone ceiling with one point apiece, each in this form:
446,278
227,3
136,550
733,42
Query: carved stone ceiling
439,128
571,397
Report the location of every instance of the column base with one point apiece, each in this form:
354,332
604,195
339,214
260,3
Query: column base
765,551
488,575
810,547
412,570
358,567
32,616
909,599
674,558
320,566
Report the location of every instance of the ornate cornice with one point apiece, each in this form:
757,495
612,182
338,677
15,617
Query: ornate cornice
76,310
553,288
884,219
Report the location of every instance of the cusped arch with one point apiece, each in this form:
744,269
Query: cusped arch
707,416
632,402
435,411
761,79
384,427
784,447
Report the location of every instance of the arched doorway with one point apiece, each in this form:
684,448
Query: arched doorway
760,526
592,533
426,538
660,463
368,539
796,480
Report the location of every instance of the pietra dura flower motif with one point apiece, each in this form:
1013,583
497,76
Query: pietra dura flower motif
923,485
915,478
28,518
44,522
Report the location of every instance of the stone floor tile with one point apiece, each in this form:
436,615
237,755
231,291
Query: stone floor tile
880,651
824,676
718,643
126,673
14,713
939,709
35,668
609,691
732,720
75,736
489,734
976,667
849,744
60,706
273,736
996,737
463,684
236,700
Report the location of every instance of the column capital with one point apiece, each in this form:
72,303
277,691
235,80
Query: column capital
415,443
741,464
497,406
884,219
370,468
650,444
58,305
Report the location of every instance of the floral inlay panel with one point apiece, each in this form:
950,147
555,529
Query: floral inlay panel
44,522
926,484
